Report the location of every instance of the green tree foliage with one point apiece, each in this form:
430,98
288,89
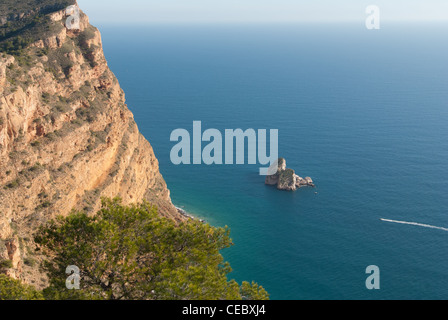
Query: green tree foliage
11,289
10,7
131,252
252,291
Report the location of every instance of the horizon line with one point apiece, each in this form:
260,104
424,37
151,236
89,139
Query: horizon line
256,22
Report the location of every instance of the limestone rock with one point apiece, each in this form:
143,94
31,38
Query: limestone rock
67,139
286,179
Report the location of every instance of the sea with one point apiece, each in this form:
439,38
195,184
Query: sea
364,113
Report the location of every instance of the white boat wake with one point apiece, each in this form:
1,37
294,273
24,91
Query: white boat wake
415,224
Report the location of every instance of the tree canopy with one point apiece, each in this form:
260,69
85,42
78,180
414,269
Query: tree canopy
131,252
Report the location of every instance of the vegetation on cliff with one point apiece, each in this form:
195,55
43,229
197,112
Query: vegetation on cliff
22,23
11,289
14,7
131,252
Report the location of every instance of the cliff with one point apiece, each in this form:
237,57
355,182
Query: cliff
67,137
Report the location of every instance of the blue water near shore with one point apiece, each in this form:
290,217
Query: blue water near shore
364,113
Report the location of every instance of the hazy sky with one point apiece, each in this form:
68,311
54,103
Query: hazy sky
174,11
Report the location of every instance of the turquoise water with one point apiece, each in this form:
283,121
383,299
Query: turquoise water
364,113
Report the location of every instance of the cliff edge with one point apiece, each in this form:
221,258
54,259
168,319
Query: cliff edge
67,137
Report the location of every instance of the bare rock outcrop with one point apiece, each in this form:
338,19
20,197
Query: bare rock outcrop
286,179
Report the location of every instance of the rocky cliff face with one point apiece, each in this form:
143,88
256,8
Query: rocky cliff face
67,139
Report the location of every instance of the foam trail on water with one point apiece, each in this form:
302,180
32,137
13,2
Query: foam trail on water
415,224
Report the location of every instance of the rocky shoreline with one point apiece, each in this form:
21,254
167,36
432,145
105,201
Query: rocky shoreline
187,215
286,179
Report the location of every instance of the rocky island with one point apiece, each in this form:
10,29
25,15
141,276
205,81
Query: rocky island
286,179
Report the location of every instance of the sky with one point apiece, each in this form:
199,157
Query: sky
231,11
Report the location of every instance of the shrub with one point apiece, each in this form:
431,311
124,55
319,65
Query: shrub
6,264
29,262
43,205
46,97
12,185
36,167
11,289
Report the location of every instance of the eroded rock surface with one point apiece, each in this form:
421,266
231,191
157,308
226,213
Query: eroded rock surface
286,179
67,139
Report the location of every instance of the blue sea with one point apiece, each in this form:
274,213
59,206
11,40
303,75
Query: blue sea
362,112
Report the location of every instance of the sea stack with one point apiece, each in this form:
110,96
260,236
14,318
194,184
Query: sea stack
286,179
